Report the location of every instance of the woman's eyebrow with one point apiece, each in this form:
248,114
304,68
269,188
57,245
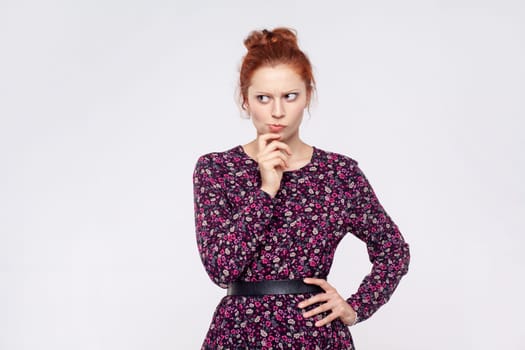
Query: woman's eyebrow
284,93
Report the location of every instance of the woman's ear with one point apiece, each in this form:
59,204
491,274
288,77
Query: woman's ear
245,110
246,107
308,99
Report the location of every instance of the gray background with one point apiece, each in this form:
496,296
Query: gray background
105,107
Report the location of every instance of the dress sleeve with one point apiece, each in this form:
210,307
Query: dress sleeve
230,227
387,250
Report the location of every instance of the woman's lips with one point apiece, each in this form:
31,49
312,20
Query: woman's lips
276,127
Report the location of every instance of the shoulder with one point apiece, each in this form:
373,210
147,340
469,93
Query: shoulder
341,168
345,171
218,162
335,160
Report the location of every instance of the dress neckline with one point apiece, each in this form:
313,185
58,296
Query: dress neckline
313,159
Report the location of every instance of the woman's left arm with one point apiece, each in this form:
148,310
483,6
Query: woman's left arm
387,250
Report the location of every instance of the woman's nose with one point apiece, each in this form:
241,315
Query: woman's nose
278,109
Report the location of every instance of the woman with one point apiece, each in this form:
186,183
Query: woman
269,215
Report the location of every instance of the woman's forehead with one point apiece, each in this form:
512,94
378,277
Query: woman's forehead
281,77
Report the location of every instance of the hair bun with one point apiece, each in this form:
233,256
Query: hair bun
268,37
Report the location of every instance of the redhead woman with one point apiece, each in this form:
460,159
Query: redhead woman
269,215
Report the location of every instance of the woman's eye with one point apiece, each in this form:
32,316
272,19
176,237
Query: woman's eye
291,96
263,98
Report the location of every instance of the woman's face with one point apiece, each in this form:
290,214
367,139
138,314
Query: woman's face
276,100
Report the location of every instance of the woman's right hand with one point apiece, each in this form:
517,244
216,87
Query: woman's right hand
273,160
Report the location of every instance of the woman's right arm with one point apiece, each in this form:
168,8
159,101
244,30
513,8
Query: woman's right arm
229,228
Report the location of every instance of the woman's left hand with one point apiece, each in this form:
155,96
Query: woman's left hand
331,301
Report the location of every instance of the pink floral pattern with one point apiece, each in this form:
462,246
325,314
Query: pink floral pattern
244,234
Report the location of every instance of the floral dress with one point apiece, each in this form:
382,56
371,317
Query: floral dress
243,234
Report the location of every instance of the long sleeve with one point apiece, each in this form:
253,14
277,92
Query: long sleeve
230,222
387,250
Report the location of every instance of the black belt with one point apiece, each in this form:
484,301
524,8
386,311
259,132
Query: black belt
272,287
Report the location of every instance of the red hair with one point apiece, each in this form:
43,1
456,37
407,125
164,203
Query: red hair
270,48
